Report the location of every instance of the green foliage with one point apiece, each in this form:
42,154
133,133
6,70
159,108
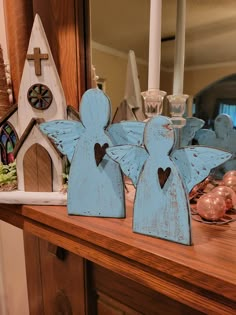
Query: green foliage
8,174
65,176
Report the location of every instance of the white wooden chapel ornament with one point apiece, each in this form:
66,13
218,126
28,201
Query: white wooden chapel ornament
49,78
41,98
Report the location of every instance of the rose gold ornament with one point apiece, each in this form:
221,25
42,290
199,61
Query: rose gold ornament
228,194
229,173
230,181
199,188
194,192
211,206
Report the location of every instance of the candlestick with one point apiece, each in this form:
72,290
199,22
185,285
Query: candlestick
153,102
177,109
179,48
154,44
189,110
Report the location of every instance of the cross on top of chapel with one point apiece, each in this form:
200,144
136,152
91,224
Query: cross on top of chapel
37,57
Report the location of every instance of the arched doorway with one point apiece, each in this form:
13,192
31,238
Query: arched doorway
217,98
37,166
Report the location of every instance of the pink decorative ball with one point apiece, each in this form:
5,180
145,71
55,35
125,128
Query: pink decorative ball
229,173
211,206
193,192
199,187
228,194
230,181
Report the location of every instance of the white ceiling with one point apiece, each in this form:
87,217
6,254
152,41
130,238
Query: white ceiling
210,29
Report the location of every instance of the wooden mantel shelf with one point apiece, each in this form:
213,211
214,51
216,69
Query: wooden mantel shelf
202,276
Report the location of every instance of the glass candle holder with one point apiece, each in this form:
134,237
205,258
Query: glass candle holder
153,102
177,109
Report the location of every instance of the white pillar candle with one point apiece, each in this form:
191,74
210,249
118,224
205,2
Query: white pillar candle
154,45
178,79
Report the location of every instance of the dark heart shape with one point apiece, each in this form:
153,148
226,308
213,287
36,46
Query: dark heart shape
99,152
163,175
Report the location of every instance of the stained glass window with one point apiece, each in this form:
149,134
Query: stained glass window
8,139
39,96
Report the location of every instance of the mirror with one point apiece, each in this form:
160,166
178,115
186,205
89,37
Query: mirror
210,50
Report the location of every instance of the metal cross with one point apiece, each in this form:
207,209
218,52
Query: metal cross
37,57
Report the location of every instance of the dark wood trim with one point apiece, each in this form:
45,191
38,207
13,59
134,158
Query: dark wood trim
19,22
71,110
83,35
87,45
25,134
10,112
34,279
168,38
32,123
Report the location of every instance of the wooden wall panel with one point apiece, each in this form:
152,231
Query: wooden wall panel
83,35
19,21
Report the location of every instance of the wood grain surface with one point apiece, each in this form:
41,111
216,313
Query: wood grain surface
66,24
110,288
37,169
201,276
19,21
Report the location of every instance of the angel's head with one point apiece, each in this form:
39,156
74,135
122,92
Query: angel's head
223,125
159,135
95,109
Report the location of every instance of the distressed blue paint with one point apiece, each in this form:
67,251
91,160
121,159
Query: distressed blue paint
158,211
94,190
161,207
131,159
187,133
195,162
161,212
95,187
127,132
64,133
223,137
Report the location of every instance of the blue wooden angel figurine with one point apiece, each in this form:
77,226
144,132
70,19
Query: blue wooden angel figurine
95,185
222,137
163,180
187,134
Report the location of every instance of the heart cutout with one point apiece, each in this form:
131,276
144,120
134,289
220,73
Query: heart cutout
99,152
163,175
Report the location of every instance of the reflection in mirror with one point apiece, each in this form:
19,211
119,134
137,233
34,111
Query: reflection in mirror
220,97
121,26
131,107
